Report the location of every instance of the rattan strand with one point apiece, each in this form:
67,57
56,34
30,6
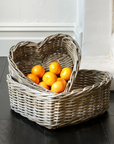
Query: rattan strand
88,98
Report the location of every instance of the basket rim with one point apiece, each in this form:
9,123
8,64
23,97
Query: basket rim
77,92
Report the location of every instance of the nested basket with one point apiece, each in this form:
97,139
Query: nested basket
86,95
59,47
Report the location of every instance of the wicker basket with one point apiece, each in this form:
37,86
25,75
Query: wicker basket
60,47
86,95
89,98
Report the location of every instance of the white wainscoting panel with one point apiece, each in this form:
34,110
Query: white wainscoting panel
11,33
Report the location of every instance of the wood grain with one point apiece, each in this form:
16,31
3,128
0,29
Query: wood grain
18,132
3,61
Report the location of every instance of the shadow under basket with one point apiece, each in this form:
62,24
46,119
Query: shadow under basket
89,97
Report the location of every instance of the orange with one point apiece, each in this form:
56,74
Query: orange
58,87
49,78
61,79
33,77
38,70
66,73
55,68
44,85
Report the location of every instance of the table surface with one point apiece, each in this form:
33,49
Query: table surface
15,129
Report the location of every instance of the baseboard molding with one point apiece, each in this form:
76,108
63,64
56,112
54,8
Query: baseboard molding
12,33
36,27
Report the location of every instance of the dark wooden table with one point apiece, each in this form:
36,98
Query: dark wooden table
15,129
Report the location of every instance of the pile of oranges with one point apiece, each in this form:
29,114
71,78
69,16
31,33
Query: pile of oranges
55,79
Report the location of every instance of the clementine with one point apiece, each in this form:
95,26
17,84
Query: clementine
44,85
61,79
49,78
33,77
38,70
66,73
58,87
55,68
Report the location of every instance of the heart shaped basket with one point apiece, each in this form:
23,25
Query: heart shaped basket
88,99
59,47
87,93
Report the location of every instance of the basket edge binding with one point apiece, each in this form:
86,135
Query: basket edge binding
63,94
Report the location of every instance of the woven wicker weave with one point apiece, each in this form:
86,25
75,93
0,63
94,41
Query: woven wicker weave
60,47
89,98
86,95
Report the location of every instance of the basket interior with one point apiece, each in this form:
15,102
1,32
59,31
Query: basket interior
26,56
88,78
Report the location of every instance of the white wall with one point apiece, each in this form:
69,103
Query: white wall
94,18
112,37
37,10
35,19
